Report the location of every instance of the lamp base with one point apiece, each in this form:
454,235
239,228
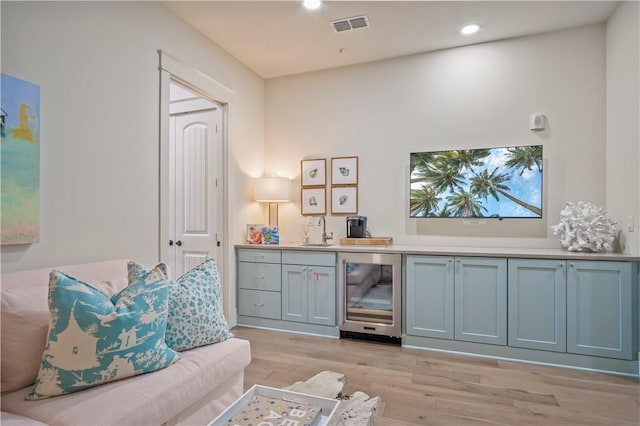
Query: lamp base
273,214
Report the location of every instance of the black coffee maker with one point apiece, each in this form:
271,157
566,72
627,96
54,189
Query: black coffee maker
356,226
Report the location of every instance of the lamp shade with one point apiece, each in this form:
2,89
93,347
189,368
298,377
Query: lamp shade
271,189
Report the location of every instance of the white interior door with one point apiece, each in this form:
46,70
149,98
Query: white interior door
194,168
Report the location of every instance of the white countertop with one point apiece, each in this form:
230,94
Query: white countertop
539,253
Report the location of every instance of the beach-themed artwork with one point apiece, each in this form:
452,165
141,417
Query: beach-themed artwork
254,233
344,171
313,201
344,200
20,164
313,172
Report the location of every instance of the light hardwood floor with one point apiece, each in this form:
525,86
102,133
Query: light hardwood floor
420,387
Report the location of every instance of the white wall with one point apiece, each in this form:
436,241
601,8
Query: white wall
474,96
97,67
623,121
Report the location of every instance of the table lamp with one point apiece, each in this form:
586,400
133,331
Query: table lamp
272,190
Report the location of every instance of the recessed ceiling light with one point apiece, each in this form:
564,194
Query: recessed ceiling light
312,4
470,29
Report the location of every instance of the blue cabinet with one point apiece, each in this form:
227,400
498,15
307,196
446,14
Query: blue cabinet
259,282
600,306
429,300
461,298
309,287
481,300
581,307
537,304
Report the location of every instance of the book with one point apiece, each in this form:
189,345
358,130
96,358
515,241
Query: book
270,235
266,411
254,233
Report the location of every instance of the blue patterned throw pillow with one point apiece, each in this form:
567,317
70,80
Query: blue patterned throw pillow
196,317
93,339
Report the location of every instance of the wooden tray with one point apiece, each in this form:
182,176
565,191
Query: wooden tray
371,241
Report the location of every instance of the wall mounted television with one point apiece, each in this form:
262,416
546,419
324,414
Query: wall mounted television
477,183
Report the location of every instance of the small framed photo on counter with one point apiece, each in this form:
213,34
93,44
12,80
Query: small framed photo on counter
270,235
254,233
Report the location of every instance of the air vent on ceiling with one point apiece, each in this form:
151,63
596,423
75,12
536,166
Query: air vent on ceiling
348,24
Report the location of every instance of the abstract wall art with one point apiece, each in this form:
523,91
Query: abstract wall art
20,161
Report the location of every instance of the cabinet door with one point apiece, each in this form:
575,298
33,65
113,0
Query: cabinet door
321,291
599,308
429,302
481,300
294,293
537,304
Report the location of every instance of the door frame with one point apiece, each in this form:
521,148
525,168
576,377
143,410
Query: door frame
171,69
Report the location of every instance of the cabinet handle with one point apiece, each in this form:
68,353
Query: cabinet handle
450,260
562,265
259,305
572,264
457,260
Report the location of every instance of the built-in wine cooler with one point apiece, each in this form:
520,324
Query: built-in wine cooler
369,296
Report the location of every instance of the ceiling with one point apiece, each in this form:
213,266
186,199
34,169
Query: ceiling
278,38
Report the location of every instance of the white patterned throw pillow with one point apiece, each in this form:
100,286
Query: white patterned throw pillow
93,339
196,317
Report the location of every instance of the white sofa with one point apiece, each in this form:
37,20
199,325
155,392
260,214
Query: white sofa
192,391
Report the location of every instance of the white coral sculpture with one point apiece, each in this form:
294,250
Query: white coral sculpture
584,227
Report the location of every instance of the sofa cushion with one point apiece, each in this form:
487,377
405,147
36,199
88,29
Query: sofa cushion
196,317
10,419
148,399
136,271
93,339
25,312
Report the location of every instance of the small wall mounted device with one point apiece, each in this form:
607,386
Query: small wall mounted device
537,122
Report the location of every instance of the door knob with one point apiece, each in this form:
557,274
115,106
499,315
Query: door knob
178,243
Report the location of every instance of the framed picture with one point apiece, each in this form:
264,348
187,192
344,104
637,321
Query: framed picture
313,172
270,235
20,161
313,201
254,233
344,199
344,171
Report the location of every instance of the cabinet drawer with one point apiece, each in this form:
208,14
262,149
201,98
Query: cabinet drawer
259,255
257,303
259,276
309,258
